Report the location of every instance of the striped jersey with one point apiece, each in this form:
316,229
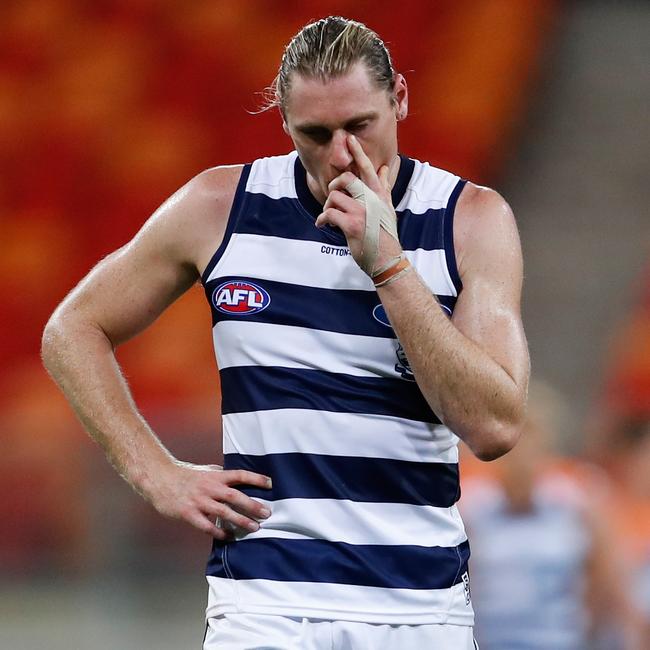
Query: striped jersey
529,567
318,394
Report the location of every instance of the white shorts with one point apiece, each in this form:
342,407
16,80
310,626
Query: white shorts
270,632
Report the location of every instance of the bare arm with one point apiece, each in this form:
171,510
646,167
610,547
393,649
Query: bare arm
473,370
120,297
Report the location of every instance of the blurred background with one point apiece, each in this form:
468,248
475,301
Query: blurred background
108,106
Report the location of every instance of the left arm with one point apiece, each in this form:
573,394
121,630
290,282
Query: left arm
473,370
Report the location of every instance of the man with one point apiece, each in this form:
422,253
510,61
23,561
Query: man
343,531
544,574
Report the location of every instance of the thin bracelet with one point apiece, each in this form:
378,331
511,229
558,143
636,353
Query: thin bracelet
387,265
397,276
394,272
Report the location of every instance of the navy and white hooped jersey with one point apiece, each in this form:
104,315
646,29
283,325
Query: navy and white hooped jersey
318,394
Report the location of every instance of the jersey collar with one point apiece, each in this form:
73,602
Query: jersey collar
314,208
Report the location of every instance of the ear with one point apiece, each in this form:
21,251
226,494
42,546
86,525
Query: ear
285,126
401,96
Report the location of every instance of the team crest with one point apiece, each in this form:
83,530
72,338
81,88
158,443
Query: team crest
402,366
240,298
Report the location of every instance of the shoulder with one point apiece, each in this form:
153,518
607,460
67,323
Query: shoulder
210,191
480,198
190,224
484,229
481,496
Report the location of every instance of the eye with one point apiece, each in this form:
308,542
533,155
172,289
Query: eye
320,136
357,128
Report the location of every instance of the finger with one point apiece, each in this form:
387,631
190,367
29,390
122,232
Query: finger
341,182
244,477
341,201
331,217
243,503
204,524
383,175
366,168
228,515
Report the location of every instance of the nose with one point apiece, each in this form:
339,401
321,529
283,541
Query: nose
340,156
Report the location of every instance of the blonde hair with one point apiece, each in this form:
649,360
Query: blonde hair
329,48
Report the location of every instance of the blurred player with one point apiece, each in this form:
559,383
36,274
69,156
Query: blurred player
365,306
547,574
628,464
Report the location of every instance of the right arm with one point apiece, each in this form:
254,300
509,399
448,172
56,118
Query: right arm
119,298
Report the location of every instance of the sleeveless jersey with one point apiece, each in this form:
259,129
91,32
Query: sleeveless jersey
318,394
528,568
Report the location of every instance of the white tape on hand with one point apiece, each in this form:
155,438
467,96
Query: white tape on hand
378,214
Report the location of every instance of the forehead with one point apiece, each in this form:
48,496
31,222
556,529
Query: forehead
335,100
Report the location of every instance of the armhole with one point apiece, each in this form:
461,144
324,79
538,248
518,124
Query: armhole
448,236
233,217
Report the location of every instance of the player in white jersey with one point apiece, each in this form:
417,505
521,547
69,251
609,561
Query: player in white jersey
377,562
548,570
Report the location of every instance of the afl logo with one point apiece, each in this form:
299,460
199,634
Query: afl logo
240,298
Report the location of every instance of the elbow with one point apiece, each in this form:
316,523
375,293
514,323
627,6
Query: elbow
59,335
51,341
70,332
496,441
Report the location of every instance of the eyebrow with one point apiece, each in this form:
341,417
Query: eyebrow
311,127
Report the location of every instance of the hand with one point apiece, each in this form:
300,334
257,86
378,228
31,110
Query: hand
351,214
198,494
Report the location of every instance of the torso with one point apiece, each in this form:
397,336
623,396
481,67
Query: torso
316,394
